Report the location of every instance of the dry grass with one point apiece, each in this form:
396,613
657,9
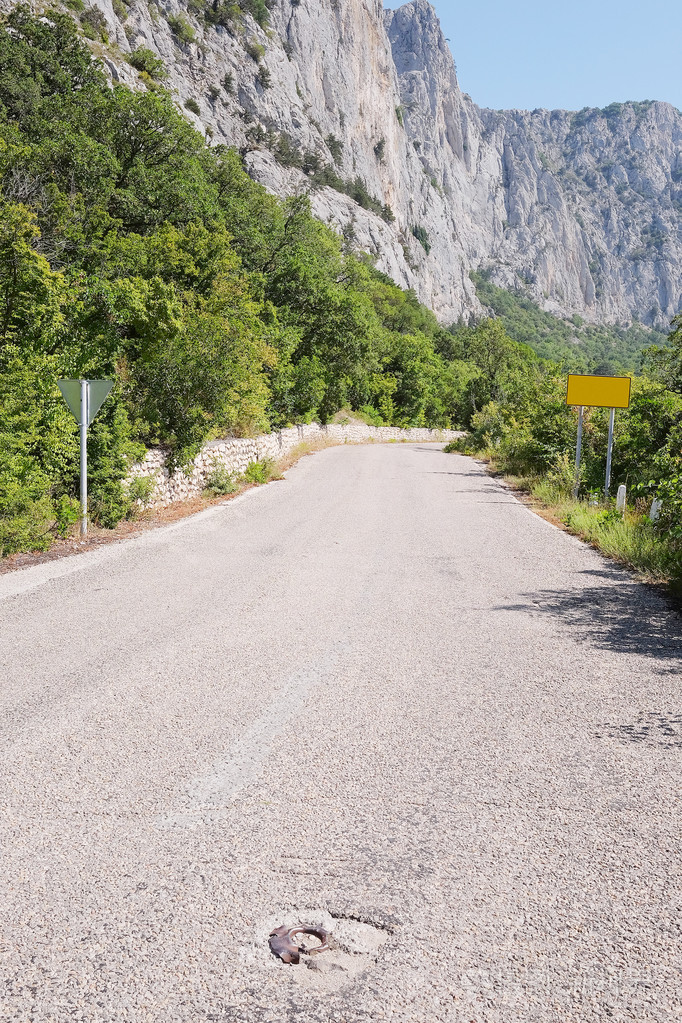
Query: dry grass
306,447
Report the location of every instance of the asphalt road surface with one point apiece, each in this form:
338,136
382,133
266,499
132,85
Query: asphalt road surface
380,696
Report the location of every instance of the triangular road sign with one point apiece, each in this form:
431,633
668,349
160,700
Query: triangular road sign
71,392
97,392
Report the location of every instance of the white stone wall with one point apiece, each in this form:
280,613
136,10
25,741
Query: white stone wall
236,453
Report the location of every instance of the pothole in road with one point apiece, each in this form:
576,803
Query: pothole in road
355,943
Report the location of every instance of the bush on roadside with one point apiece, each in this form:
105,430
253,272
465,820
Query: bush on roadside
220,481
25,524
140,492
67,512
261,472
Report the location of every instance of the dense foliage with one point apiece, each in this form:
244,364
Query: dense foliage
580,347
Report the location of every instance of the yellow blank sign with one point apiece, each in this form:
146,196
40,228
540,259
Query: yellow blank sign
605,392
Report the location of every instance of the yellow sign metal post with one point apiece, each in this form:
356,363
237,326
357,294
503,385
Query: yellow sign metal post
597,392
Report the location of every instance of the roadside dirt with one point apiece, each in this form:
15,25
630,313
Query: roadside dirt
151,519
125,530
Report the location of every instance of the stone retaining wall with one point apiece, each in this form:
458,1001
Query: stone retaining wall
236,453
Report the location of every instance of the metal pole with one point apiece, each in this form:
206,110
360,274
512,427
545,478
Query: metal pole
84,457
578,450
609,453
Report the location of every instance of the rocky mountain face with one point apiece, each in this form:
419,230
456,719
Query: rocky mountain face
582,212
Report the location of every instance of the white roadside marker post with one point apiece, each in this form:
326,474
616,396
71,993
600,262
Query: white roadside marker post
620,499
84,398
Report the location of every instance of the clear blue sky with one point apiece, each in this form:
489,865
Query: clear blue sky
568,54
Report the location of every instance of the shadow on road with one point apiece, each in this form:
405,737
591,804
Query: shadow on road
653,730
619,614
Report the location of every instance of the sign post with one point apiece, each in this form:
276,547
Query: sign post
598,392
578,452
609,453
85,399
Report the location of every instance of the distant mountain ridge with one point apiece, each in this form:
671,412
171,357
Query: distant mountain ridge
582,211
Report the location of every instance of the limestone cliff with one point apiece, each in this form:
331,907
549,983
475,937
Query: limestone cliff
580,211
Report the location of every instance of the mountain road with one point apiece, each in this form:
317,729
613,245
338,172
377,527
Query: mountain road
381,697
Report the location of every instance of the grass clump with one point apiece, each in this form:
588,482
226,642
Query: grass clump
255,50
630,538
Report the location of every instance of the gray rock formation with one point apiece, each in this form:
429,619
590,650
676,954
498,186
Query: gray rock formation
579,211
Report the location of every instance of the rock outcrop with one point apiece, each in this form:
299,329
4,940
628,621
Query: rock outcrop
579,211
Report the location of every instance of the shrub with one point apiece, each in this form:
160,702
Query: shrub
258,9
313,165
380,150
255,50
400,114
191,104
94,23
261,472
181,28
220,480
120,9
67,513
561,475
421,234
144,59
213,92
140,492
286,153
264,77
226,12
228,83
26,528
335,147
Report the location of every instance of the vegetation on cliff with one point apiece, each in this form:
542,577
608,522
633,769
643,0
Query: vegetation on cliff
580,347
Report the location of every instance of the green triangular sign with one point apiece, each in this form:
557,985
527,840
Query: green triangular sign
97,392
71,392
